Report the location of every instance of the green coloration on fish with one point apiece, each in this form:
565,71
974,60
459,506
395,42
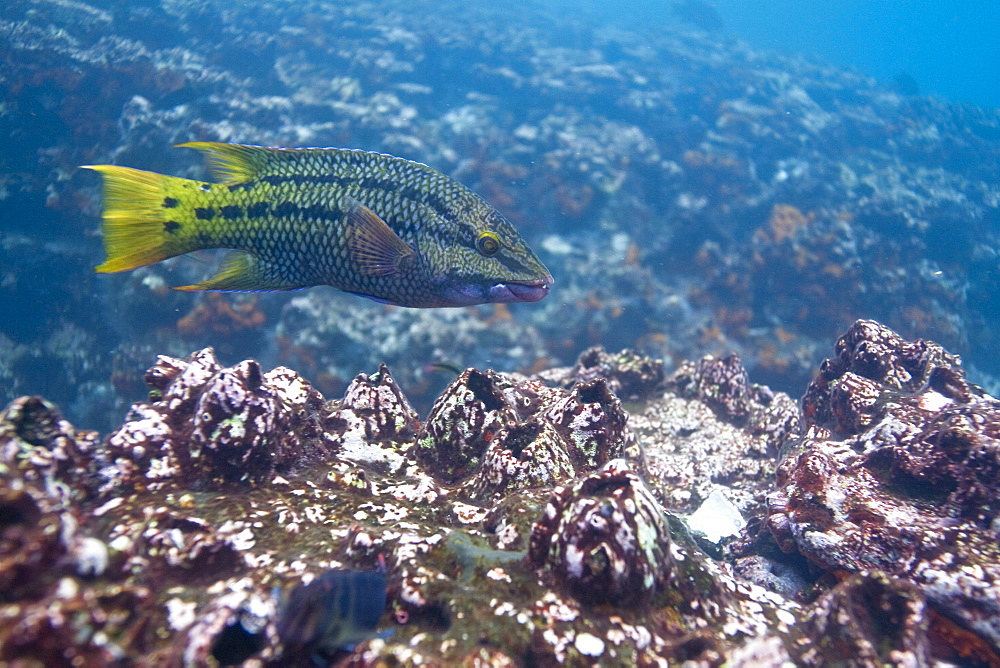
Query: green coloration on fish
386,228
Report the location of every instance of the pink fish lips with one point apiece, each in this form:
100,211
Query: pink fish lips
525,291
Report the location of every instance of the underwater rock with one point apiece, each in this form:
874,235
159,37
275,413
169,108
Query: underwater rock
56,604
514,434
604,540
872,363
723,384
33,530
206,422
44,448
630,376
592,421
461,424
373,422
528,455
899,471
230,628
533,551
868,619
712,431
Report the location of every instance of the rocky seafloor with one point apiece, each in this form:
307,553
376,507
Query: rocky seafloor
690,195
598,514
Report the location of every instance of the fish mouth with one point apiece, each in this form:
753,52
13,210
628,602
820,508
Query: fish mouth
523,291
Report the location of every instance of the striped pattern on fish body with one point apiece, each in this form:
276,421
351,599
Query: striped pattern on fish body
383,227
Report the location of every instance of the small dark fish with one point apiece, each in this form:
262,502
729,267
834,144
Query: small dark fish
905,84
444,366
337,610
382,227
698,13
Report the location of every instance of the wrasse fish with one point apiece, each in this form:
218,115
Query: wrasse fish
382,227
333,612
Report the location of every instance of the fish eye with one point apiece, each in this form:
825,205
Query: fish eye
488,243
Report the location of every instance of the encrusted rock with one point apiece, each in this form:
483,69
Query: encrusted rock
869,619
43,447
691,444
592,421
463,421
872,360
913,489
594,571
31,541
207,422
522,456
373,421
604,539
488,411
629,375
723,384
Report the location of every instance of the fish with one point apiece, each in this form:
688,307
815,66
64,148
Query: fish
334,612
444,366
372,224
698,13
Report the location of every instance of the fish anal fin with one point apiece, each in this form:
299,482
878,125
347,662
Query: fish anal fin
375,249
234,163
240,272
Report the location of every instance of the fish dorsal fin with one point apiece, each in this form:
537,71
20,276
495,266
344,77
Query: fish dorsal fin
375,249
236,163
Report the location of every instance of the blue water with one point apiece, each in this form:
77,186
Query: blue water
951,49
733,176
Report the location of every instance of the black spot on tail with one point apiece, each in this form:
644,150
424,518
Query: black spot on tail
230,212
204,213
169,202
171,226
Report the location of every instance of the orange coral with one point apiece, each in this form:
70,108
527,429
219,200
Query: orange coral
218,314
784,223
574,201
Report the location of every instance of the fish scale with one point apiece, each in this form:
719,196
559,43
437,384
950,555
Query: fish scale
373,224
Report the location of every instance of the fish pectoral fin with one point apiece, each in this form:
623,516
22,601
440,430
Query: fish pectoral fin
240,272
235,163
375,249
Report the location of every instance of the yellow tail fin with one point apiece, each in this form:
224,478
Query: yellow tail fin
137,219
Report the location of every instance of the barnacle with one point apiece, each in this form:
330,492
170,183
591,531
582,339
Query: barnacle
604,539
461,425
522,456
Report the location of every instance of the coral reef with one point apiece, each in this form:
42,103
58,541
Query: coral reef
729,200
